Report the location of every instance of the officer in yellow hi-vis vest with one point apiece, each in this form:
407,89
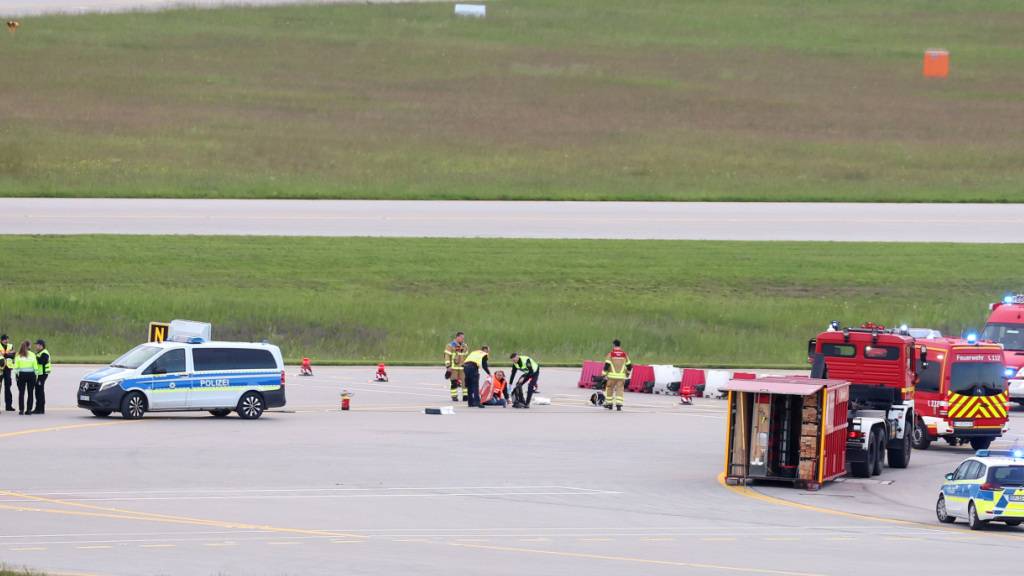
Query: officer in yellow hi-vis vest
25,372
616,371
454,355
476,361
7,362
43,368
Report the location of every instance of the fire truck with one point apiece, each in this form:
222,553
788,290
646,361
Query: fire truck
881,366
961,393
1006,326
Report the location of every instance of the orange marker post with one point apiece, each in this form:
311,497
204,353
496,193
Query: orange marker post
936,63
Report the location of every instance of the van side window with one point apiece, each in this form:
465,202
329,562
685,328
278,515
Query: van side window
172,362
213,359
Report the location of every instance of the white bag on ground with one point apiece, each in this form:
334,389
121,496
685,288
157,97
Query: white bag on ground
541,401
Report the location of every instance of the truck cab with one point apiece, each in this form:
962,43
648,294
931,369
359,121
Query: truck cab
881,366
1005,326
961,396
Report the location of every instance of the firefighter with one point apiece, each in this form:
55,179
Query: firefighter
7,349
475,361
616,371
531,373
43,369
454,356
25,373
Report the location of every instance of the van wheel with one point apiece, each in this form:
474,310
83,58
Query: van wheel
921,438
940,512
250,407
100,413
981,443
133,406
220,412
972,518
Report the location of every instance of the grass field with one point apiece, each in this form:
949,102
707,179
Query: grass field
545,99
399,300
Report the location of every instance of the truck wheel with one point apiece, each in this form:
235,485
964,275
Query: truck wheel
981,443
879,456
972,518
133,406
940,511
864,469
921,438
900,457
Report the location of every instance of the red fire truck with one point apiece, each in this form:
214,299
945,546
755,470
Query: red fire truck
961,393
1006,326
881,366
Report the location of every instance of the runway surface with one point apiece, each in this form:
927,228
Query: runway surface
385,489
35,7
605,220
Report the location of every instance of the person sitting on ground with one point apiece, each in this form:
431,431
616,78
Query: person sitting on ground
497,385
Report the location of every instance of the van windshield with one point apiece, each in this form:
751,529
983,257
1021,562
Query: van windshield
136,357
977,378
1011,336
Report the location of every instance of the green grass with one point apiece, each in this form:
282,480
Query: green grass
399,300
545,99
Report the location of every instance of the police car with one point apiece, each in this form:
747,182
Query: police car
188,373
986,487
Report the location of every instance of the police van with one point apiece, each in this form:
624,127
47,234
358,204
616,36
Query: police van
188,373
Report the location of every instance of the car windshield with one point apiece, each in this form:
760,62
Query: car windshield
1011,336
1006,475
136,357
977,378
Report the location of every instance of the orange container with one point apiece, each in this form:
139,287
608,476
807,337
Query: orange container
936,63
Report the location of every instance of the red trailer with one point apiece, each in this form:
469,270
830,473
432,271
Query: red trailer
786,429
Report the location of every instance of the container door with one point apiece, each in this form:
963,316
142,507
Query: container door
760,435
930,393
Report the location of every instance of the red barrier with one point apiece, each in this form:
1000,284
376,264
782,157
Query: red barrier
641,379
590,377
693,379
744,376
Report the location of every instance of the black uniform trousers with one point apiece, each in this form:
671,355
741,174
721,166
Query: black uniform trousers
472,372
26,383
8,387
41,393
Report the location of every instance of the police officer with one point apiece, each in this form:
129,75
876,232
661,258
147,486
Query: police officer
25,373
43,368
454,355
7,361
531,373
616,370
476,361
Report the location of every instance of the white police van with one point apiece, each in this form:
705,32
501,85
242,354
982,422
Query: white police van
191,374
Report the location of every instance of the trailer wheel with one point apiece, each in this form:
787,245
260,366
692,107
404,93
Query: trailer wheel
921,438
900,457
